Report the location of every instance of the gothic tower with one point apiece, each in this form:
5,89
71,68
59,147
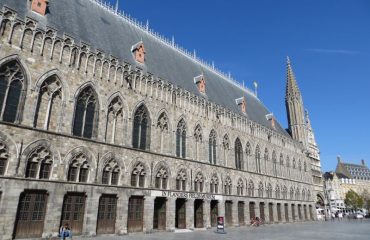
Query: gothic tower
295,108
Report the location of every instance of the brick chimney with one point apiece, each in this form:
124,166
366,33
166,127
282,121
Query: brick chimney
39,6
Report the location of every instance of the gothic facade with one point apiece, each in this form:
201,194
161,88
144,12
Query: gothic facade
113,145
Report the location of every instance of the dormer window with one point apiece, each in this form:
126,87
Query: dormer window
270,117
242,103
39,6
201,83
139,52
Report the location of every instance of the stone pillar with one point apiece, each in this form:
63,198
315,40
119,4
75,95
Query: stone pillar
221,208
296,213
275,211
290,219
247,216
148,214
207,214
170,214
122,213
92,206
190,214
53,213
235,214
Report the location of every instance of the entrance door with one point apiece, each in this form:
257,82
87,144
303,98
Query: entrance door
159,219
73,211
198,213
278,206
214,213
293,212
180,220
271,213
135,214
286,210
228,213
241,213
107,214
252,211
31,214
262,211
310,209
300,212
305,212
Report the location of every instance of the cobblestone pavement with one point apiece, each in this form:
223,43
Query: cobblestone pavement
345,230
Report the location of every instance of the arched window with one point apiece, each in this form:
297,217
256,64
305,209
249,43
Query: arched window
49,104
266,155
238,154
281,160
115,122
214,184
226,147
277,192
269,191
240,188
181,139
138,176
297,194
181,180
198,182
78,169
3,158
198,137
303,194
161,178
39,163
228,186
248,153
291,193
212,147
141,131
251,188
86,113
285,192
162,125
294,164
12,90
111,173
260,189
258,159
308,195
299,165
274,163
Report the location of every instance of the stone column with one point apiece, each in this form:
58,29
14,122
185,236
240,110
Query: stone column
247,216
207,214
267,212
53,213
190,214
92,205
275,211
122,213
235,213
170,214
148,214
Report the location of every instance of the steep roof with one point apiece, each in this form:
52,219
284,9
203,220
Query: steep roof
87,21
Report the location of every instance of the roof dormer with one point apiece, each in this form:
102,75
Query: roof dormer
242,103
201,83
39,6
139,52
271,118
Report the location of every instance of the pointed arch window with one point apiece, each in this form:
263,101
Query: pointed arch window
238,154
3,158
86,113
260,189
111,173
297,194
308,195
161,178
214,184
274,163
12,91
198,182
251,188
39,163
269,190
228,186
212,147
277,192
303,194
294,164
115,122
181,139
162,125
198,137
291,193
181,180
78,169
141,131
240,188
138,176
300,165
226,147
285,192
248,153
49,104
258,159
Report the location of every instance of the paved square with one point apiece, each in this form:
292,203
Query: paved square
344,230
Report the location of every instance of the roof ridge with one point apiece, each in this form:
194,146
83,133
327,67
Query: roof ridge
171,43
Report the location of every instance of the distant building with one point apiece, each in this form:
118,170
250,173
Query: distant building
353,171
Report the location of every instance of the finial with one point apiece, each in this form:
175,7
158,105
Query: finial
255,88
147,25
195,54
117,2
213,65
288,60
173,40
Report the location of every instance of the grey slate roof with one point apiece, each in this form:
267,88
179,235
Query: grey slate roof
86,21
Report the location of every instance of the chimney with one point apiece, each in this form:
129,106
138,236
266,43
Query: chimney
363,162
39,6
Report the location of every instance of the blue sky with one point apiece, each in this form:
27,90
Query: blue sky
328,43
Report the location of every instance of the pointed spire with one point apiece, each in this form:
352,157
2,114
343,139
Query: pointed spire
117,3
291,86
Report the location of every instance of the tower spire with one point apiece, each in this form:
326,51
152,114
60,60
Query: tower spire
291,86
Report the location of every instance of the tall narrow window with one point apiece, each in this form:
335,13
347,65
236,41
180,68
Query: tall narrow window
111,172
258,159
214,184
260,189
269,190
274,163
251,188
141,131
291,193
138,176
181,180
212,147
3,158
248,153
198,182
288,165
39,163
78,169
85,119
115,122
49,104
227,186
226,147
240,188
198,137
181,139
162,125
12,90
277,192
266,158
161,178
285,193
238,154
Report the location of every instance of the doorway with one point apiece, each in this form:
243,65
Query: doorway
271,213
241,213
180,219
214,213
262,211
228,213
278,206
159,218
73,211
107,214
135,214
252,211
198,213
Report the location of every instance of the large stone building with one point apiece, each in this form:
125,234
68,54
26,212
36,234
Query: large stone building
108,127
